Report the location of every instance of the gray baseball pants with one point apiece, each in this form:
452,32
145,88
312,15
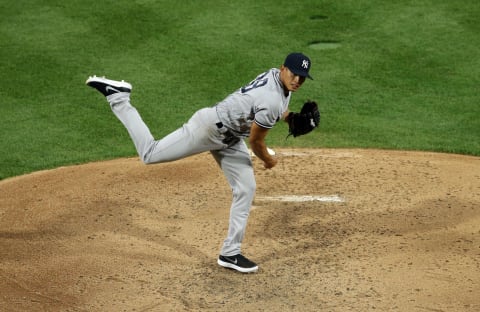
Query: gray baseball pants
200,134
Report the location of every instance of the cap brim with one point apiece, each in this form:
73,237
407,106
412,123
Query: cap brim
302,74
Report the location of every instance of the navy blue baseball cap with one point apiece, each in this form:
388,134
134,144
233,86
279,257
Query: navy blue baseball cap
299,64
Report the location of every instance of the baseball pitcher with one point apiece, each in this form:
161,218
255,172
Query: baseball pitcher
250,112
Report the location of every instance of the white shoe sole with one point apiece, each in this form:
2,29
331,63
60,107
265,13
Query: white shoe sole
113,83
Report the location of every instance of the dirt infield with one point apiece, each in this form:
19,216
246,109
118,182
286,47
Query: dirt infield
332,230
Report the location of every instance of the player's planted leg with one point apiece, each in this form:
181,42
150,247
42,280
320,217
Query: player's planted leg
237,167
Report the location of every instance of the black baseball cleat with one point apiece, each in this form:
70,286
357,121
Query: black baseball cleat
237,262
108,87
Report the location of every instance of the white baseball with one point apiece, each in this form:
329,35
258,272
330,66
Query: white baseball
269,150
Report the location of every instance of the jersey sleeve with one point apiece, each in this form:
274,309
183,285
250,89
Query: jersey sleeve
266,116
267,99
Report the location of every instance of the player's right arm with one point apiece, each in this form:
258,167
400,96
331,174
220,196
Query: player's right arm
258,146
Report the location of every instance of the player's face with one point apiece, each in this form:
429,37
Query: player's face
290,81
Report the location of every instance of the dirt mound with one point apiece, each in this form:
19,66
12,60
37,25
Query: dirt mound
332,230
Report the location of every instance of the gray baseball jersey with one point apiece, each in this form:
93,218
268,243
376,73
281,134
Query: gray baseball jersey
263,101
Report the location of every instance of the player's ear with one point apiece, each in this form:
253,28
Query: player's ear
283,68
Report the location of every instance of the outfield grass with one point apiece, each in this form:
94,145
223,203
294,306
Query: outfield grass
402,75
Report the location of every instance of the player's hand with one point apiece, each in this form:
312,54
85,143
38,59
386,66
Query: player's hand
269,164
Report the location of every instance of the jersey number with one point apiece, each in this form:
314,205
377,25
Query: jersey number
260,81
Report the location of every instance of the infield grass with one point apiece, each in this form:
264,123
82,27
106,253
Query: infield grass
402,75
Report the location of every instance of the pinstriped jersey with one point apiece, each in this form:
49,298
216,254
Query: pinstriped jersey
262,101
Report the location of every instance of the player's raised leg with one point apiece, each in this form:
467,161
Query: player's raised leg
118,95
192,138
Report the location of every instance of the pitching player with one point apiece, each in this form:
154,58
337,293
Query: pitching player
251,112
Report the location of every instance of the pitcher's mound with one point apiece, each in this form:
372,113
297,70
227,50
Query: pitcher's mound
331,230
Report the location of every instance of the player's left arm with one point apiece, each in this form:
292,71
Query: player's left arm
259,147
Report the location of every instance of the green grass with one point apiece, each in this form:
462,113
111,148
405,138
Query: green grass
405,75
